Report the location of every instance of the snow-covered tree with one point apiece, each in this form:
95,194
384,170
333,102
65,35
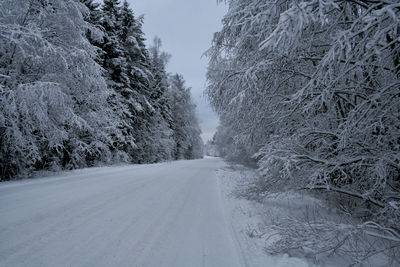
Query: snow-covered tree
78,87
159,144
114,57
186,130
54,109
310,88
139,91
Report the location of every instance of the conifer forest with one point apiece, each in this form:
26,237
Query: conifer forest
79,88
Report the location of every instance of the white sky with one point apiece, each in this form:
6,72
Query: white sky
186,28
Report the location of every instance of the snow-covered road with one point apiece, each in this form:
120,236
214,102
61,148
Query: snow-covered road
168,214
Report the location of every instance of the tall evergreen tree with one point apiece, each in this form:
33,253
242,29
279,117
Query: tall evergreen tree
114,58
115,64
160,121
95,32
186,130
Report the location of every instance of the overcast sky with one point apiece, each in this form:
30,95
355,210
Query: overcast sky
186,28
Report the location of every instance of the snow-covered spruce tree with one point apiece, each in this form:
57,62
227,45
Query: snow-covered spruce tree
142,79
114,62
93,16
137,58
95,34
139,84
159,144
186,131
53,100
313,86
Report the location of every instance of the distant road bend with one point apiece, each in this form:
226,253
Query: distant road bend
168,214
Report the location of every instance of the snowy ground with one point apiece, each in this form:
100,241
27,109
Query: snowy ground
169,214
251,221
258,226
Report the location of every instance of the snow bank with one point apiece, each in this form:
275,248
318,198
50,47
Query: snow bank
251,221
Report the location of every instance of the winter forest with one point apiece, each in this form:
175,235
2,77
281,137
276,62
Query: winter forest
309,92
308,147
79,88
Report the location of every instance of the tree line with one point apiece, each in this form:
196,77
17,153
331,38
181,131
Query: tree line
79,88
309,91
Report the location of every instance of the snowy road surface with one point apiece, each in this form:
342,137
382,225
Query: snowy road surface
168,214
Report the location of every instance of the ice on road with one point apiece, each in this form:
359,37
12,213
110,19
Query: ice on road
168,214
